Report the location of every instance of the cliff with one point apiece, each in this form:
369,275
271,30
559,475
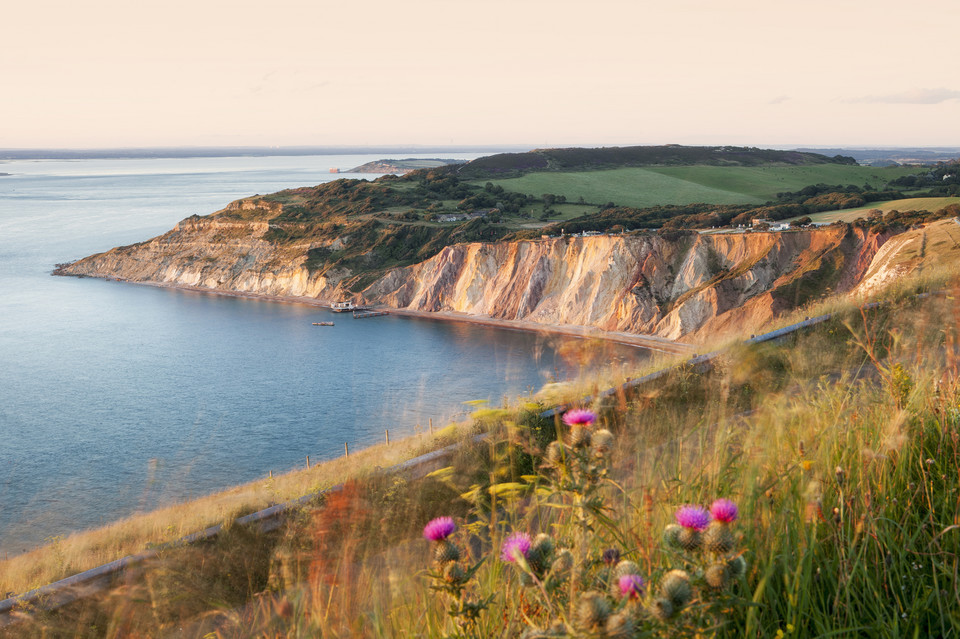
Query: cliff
684,288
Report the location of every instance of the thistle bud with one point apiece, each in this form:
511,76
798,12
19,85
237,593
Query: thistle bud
562,563
579,437
602,441
661,608
619,626
717,576
676,588
446,552
690,539
592,611
718,538
840,476
541,550
671,535
554,452
737,567
453,573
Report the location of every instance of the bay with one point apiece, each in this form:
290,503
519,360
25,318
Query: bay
117,398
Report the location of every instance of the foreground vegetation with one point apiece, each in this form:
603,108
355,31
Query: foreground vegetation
839,448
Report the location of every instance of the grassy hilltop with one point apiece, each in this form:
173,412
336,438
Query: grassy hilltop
400,220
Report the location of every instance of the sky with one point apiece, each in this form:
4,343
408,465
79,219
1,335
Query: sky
770,73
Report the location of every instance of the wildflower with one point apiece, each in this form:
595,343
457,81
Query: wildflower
717,576
692,517
718,538
439,529
631,586
662,608
724,510
579,417
619,626
515,546
611,556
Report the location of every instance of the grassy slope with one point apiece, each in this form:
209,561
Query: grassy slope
931,204
885,565
650,186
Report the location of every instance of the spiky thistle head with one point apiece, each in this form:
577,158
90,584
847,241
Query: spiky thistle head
446,552
619,626
579,437
676,587
718,538
554,452
717,576
671,535
439,529
737,566
601,442
693,517
579,417
625,567
592,610
454,574
630,586
516,545
661,608
724,510
611,556
541,551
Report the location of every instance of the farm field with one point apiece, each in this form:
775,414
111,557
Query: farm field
910,204
651,186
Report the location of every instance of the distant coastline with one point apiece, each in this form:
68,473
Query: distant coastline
239,151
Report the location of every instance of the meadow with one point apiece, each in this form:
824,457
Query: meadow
838,448
650,186
930,204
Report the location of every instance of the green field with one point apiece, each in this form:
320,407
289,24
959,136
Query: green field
651,186
931,204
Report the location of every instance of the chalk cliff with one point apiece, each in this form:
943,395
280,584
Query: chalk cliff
681,288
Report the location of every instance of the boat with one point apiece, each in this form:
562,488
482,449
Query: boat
323,323
345,307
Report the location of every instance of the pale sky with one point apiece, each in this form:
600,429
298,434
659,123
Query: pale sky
104,73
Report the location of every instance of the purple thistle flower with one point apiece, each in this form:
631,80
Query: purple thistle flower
724,510
579,417
517,544
611,556
693,517
631,586
439,529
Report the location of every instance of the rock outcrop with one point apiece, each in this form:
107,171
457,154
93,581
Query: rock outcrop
682,288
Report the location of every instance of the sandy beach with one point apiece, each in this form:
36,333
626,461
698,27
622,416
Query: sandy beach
651,342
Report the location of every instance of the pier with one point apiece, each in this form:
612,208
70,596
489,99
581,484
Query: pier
366,314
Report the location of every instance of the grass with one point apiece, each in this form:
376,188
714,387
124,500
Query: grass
931,204
651,186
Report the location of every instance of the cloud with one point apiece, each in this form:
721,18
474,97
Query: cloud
914,96
780,99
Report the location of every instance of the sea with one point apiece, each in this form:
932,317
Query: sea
117,398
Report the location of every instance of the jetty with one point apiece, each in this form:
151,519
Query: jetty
323,323
364,314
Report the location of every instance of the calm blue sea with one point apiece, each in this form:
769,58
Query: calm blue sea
117,398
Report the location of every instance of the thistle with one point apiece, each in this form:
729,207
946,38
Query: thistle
439,529
601,442
737,567
693,519
562,563
619,626
446,552
676,588
516,546
625,567
592,611
630,586
661,608
717,576
454,574
554,452
579,437
579,417
541,550
671,535
718,538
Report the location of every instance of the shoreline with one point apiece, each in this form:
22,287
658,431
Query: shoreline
650,342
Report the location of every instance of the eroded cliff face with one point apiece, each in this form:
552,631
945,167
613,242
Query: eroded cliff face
681,289
637,284
217,253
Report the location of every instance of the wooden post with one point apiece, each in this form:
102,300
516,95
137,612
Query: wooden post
386,433
308,462
346,450
271,474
